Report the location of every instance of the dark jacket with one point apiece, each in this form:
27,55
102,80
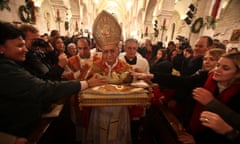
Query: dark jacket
160,66
229,116
193,65
230,97
24,97
195,80
186,69
183,87
41,65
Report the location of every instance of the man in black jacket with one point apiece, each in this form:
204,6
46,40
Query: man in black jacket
23,96
38,59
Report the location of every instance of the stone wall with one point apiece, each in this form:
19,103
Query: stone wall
12,15
229,21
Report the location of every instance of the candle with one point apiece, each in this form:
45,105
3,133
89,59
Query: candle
76,25
146,31
58,14
164,22
215,9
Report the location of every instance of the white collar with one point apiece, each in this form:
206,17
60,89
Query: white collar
111,66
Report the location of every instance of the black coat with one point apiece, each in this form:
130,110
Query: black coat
208,136
160,67
229,116
24,97
183,87
42,65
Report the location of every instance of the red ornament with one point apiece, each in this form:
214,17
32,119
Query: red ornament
215,9
164,22
58,14
76,25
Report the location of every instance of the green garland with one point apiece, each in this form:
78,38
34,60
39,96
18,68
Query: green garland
211,22
197,25
21,10
4,4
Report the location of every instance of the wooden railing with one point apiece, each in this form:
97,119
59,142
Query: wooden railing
39,130
44,123
162,126
172,120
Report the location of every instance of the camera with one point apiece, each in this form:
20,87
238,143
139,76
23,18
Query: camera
184,43
40,43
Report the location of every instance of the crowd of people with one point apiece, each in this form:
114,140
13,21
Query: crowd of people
199,83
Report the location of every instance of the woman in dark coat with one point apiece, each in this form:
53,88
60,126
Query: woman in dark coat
159,64
184,86
24,97
222,84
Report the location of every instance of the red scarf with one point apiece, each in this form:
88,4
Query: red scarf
211,85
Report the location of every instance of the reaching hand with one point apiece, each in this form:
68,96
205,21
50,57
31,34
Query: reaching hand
21,140
96,81
186,138
215,122
143,76
202,95
62,60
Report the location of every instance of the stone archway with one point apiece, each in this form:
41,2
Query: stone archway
149,12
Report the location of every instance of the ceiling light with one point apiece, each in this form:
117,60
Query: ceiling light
129,5
96,1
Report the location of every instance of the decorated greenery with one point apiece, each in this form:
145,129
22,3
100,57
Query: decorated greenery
4,5
155,28
156,32
24,14
211,22
197,25
163,28
58,19
66,25
77,28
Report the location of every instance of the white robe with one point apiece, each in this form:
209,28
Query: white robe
142,63
109,125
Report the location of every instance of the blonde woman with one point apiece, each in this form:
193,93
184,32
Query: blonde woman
223,84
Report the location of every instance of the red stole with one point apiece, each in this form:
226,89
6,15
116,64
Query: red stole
75,63
211,85
101,67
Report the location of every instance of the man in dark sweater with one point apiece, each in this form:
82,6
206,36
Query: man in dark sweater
23,96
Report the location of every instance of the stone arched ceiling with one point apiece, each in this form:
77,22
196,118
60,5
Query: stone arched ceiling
149,11
116,7
133,15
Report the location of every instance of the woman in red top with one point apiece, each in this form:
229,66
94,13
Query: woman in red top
224,85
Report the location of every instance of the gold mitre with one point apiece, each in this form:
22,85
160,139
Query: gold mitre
106,29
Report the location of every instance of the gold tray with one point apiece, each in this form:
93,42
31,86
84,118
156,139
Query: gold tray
110,89
121,96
